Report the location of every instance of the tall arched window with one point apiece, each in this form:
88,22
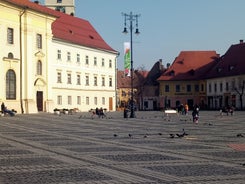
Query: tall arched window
10,85
39,67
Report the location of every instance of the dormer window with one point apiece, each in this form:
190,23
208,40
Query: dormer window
231,67
172,72
219,69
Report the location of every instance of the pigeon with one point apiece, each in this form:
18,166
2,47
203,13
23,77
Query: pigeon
171,135
240,135
184,133
130,135
145,136
159,133
115,135
180,135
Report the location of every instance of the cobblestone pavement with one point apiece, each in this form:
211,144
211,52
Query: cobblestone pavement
47,148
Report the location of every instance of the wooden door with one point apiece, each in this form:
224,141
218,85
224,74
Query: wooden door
39,100
110,104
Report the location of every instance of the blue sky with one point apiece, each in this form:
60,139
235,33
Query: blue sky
166,26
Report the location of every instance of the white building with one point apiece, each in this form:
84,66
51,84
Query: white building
226,81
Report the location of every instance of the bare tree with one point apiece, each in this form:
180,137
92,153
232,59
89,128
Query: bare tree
240,92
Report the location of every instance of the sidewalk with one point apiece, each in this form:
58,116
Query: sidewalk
47,148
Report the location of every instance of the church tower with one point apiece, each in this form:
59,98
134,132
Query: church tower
65,6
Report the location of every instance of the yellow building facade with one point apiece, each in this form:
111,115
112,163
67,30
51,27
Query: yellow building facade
175,93
24,52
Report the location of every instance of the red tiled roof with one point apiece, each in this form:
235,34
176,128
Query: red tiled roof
190,65
78,31
122,80
231,63
68,28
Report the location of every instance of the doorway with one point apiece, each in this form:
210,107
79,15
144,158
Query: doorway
39,99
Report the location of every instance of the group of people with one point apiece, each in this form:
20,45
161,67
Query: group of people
100,112
184,109
4,110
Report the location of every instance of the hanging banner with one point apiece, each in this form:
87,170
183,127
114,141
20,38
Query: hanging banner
127,56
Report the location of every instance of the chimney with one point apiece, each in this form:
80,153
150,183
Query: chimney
241,41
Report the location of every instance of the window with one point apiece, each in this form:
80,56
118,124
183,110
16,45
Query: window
166,88
78,79
10,85
95,101
78,58
95,61
202,87
110,82
103,81
59,100
188,88
69,100
78,100
227,86
60,8
103,62
221,87
10,55
95,80
68,56
87,100
86,60
215,87
59,1
59,54
59,77
177,88
103,100
68,78
196,88
10,35
110,64
124,93
210,88
87,80
39,41
39,67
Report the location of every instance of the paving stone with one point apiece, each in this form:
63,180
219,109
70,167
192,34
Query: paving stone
44,148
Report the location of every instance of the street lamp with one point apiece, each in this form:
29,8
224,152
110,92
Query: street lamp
131,18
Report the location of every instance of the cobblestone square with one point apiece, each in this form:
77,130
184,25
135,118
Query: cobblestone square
151,148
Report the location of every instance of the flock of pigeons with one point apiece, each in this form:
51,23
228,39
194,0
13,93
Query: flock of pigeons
178,135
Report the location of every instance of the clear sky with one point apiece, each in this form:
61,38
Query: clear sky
166,26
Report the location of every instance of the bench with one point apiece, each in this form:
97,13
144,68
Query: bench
169,112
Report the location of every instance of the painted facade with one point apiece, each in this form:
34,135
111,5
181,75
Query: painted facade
47,64
184,81
21,53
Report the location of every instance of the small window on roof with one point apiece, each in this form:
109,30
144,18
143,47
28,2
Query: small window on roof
219,69
90,36
231,67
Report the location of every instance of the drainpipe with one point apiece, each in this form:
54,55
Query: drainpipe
20,22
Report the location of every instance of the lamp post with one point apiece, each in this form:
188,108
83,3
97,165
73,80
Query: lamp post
131,18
